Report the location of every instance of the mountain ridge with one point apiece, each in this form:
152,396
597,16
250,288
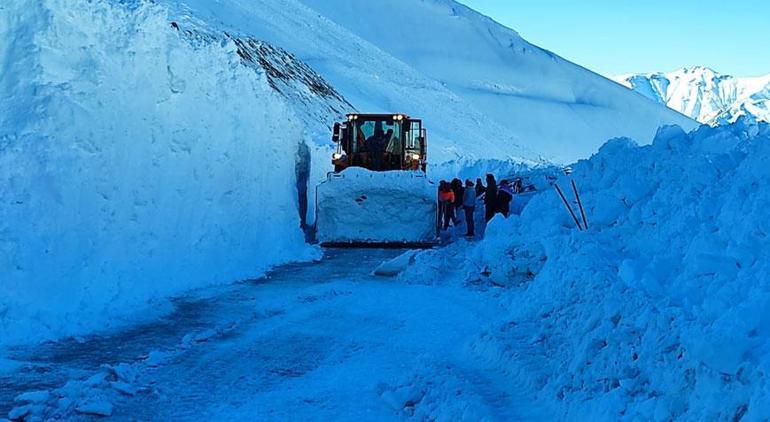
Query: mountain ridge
705,94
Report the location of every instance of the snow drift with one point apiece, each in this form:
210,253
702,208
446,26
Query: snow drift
133,164
658,311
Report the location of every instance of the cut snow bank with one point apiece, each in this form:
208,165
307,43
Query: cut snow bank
133,165
658,311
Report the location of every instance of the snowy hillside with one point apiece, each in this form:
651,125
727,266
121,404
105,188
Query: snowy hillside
483,96
705,95
544,102
658,311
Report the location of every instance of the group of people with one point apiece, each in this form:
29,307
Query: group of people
453,196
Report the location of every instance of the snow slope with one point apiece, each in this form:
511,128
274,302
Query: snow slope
658,311
370,79
484,92
705,95
542,101
134,164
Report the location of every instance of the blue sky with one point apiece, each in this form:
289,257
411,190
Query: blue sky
615,37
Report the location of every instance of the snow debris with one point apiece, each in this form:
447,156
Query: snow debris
33,397
97,393
124,388
122,372
93,395
156,358
94,406
396,265
439,391
21,412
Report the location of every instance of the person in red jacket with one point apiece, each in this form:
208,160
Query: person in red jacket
446,199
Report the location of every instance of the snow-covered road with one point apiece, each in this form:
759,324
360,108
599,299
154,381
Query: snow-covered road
311,341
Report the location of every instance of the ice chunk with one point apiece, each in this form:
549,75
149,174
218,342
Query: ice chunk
396,265
33,397
95,406
123,388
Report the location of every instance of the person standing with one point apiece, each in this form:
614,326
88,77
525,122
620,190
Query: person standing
469,206
504,197
480,189
457,189
441,210
446,199
490,198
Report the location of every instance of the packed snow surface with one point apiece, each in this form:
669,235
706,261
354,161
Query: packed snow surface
358,205
705,95
133,165
315,341
659,310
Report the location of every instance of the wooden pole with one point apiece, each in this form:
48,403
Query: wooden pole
580,205
569,208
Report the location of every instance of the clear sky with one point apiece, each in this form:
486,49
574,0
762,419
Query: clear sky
624,36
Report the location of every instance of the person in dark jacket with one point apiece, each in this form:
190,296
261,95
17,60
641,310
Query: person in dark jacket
376,146
469,206
490,198
504,197
480,189
458,190
441,210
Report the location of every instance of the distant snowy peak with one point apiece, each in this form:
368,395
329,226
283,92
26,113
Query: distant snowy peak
704,94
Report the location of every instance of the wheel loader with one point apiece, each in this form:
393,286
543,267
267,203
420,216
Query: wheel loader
379,193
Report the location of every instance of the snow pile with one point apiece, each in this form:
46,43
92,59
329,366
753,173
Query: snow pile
358,205
439,392
92,396
705,95
133,165
658,311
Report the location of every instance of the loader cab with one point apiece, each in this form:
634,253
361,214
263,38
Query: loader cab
380,142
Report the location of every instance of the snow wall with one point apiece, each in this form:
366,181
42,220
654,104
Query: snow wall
133,165
659,310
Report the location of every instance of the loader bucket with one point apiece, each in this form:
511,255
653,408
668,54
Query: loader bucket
358,207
